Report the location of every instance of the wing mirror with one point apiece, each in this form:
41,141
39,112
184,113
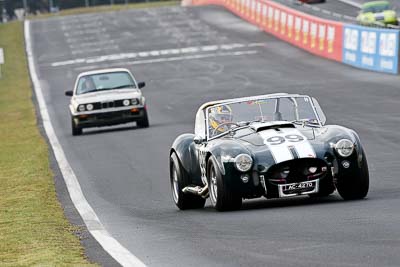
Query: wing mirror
141,84
68,93
198,140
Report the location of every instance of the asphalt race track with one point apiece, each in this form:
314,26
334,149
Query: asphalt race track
191,55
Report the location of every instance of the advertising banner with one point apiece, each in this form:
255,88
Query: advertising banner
371,48
318,36
362,47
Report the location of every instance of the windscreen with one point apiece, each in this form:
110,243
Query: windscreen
292,109
105,81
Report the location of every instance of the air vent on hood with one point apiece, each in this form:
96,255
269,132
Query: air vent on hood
260,126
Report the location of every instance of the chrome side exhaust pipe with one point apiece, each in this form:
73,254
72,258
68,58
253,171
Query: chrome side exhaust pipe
196,190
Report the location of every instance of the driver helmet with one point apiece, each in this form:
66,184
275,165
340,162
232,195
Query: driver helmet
219,115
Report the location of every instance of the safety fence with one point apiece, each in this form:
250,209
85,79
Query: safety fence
362,47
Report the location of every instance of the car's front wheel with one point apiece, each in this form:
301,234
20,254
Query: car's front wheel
179,180
221,195
143,122
355,187
76,130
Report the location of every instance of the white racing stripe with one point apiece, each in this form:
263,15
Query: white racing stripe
93,224
280,142
279,150
303,148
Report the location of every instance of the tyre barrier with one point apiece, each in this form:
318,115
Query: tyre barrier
362,47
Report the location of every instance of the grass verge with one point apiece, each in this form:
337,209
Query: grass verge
33,229
107,8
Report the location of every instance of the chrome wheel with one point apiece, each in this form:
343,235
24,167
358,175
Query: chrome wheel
175,191
213,187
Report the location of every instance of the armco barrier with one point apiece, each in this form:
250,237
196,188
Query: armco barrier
370,48
362,47
318,36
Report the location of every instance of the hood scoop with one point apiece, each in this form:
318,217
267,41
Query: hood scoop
261,126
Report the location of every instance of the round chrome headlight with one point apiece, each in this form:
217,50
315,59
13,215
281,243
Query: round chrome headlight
89,107
134,101
126,102
344,147
81,108
243,162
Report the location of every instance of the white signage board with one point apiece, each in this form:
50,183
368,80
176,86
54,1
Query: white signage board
1,56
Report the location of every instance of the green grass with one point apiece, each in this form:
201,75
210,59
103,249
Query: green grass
33,228
106,8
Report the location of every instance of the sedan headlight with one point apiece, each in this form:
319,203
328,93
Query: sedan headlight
344,147
243,162
89,107
81,108
126,102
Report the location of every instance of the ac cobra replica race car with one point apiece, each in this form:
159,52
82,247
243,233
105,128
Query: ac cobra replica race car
273,146
106,97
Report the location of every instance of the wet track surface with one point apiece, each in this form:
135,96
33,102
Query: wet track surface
210,54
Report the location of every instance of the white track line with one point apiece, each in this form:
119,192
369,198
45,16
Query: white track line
351,3
169,59
110,244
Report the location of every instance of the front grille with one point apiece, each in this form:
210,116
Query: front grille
297,170
118,103
107,104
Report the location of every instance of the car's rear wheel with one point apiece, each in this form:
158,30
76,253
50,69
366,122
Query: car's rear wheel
355,187
143,122
76,130
221,195
179,180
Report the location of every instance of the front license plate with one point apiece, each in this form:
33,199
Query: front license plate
303,188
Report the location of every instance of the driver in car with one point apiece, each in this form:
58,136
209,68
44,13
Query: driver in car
220,119
88,85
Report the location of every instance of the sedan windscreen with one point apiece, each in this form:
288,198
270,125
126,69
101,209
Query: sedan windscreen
105,81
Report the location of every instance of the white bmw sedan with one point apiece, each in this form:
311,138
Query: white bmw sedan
106,97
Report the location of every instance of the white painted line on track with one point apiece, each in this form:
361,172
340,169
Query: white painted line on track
170,59
326,12
95,227
351,3
175,51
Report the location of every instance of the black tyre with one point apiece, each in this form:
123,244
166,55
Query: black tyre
355,187
143,122
221,195
76,130
326,187
179,180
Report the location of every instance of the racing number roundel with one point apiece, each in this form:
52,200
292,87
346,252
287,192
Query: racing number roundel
277,140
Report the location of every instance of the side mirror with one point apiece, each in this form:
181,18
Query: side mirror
141,84
198,140
68,93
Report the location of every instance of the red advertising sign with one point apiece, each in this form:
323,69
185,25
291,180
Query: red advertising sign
318,36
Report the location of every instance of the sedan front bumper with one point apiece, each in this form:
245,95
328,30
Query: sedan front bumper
109,118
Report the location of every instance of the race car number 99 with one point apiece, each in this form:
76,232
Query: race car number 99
277,140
